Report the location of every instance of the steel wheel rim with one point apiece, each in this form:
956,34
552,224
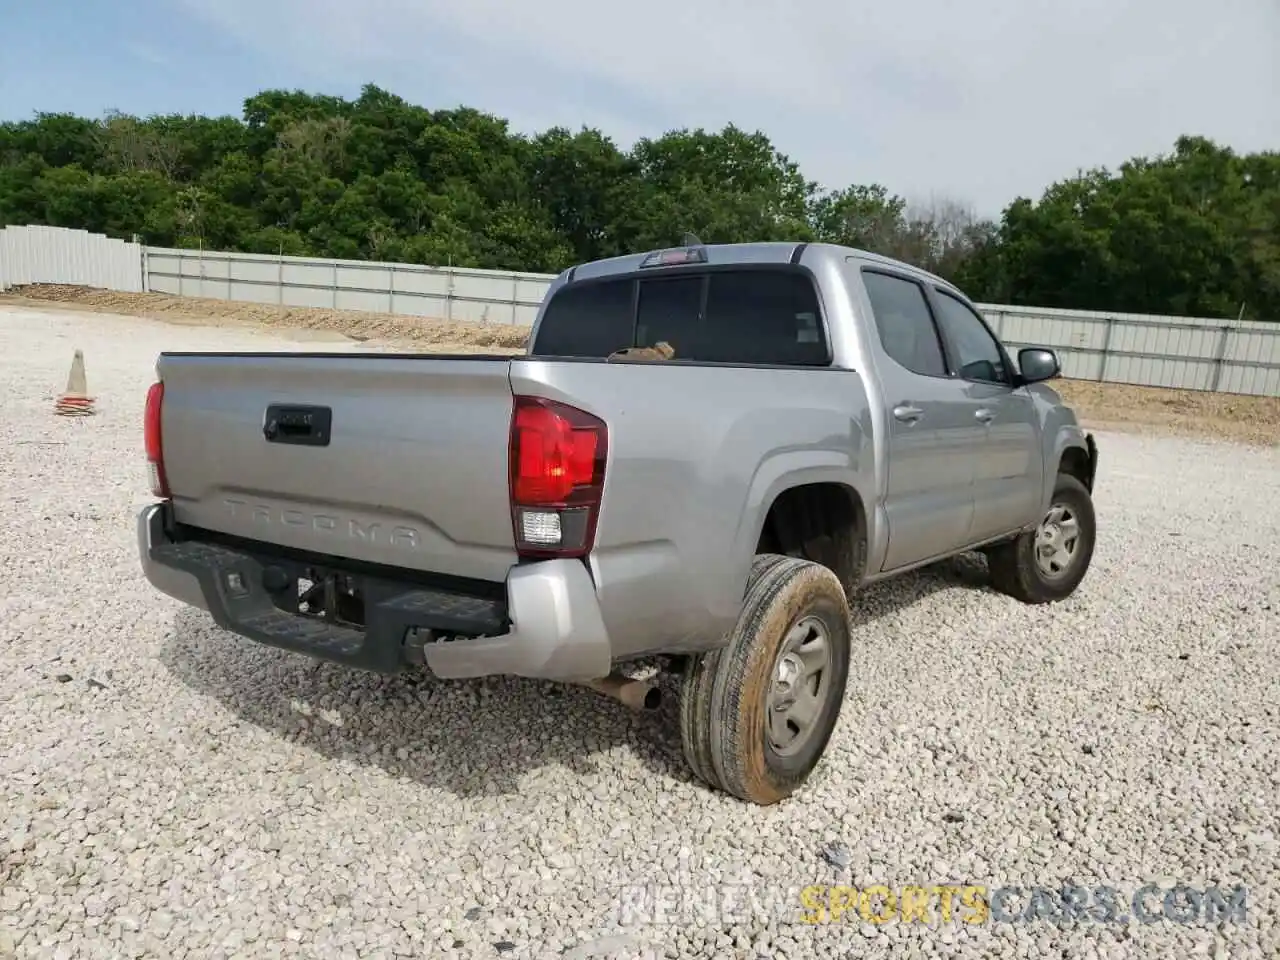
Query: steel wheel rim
798,687
1057,541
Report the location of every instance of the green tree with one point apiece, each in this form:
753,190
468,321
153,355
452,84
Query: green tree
1191,232
1194,231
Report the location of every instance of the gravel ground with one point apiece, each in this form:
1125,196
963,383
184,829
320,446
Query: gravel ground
168,790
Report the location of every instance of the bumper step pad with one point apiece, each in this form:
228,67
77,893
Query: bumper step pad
232,582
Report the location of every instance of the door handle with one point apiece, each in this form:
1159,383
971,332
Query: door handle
907,413
985,415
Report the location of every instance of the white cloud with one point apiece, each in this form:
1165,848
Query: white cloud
980,100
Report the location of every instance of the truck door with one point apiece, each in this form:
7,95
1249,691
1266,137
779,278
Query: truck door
933,438
1007,486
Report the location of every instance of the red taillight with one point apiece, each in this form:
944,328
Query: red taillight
151,438
557,463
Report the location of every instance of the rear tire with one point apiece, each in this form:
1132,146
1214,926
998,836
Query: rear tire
696,682
1046,565
779,683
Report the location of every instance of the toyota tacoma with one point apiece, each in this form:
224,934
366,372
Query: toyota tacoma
817,418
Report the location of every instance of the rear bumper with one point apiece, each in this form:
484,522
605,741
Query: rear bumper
549,626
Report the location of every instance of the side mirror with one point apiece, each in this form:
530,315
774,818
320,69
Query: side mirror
1036,364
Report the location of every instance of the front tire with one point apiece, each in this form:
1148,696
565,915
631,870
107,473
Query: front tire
1046,565
779,683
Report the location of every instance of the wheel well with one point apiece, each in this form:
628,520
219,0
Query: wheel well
1075,462
822,522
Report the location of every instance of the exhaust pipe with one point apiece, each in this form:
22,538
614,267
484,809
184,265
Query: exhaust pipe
636,694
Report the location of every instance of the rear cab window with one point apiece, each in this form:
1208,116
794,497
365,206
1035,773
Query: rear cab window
739,316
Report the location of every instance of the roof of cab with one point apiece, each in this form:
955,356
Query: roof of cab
725,253
773,252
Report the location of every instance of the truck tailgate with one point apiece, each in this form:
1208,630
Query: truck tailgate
413,474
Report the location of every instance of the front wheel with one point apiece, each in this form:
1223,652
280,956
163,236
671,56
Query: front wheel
777,687
1047,564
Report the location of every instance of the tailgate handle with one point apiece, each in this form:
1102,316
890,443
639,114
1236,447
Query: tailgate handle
305,425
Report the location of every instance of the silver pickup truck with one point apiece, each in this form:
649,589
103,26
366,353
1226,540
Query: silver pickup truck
829,418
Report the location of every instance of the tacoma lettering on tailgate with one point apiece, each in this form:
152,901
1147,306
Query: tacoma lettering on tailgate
332,524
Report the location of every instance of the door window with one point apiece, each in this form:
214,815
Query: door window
905,323
978,355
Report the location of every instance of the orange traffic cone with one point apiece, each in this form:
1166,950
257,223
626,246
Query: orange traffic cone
75,400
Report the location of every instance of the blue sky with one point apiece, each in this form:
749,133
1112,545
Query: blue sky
142,56
974,102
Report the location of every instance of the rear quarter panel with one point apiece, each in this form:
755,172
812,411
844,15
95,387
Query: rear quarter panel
696,456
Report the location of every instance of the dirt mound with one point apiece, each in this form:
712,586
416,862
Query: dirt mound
1229,416
357,324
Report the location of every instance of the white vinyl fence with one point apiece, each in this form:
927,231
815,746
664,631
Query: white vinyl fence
57,255
441,293
1184,352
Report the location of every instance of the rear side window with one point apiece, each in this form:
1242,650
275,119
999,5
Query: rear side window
732,316
905,323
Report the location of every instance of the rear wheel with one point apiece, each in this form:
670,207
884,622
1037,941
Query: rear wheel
777,687
1047,564
696,680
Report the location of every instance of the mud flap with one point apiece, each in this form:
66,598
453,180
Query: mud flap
1093,460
